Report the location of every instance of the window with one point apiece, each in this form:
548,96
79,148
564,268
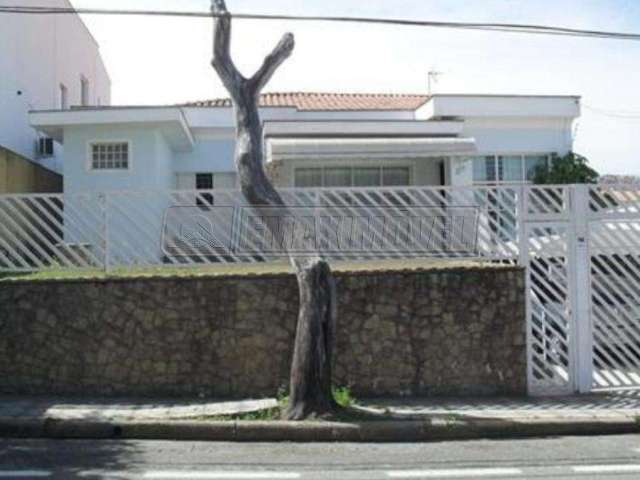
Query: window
84,91
44,147
204,181
484,169
352,177
366,177
308,177
510,168
532,163
110,156
337,177
494,169
394,177
64,97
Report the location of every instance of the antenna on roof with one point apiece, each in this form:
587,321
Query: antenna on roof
433,76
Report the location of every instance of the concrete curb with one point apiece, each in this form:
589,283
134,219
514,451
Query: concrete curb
273,431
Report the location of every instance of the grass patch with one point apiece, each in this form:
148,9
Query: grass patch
343,397
344,415
240,269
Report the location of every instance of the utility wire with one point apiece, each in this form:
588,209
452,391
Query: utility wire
500,27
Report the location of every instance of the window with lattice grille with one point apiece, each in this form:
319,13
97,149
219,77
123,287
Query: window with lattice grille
110,156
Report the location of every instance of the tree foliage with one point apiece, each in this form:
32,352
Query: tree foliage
569,169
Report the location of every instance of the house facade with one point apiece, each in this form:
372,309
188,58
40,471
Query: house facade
140,180
46,62
315,140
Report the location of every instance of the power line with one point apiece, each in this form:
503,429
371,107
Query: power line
496,27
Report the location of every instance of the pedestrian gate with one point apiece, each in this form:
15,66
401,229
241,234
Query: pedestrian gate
581,245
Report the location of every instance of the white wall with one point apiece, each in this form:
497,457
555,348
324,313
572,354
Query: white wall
149,160
37,54
211,153
500,106
520,135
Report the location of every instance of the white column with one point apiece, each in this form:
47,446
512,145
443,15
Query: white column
524,261
580,274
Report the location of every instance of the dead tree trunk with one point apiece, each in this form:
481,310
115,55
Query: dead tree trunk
311,392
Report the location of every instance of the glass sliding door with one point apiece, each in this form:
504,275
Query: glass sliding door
366,177
533,163
510,168
395,176
352,177
308,177
337,177
484,169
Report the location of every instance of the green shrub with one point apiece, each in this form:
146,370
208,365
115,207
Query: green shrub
343,396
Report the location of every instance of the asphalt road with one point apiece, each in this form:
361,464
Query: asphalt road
564,458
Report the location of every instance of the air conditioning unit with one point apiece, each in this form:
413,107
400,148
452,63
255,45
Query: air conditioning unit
44,147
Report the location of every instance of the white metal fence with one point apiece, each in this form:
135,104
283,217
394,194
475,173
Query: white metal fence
580,245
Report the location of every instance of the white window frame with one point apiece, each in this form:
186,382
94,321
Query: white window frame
523,166
89,153
43,141
352,167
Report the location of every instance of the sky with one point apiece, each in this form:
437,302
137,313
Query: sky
166,60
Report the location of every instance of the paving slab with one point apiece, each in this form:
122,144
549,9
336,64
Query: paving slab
60,408
599,405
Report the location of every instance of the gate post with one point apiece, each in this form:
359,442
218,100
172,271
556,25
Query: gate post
104,201
580,291
523,260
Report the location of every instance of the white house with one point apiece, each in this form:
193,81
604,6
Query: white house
315,140
142,154
46,62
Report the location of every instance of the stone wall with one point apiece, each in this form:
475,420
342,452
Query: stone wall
457,331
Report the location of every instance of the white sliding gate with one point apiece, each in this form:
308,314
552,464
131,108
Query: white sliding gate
614,254
579,244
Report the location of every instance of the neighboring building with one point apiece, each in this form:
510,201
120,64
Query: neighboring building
316,140
46,62
630,180
19,175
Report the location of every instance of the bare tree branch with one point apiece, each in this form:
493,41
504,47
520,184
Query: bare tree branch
280,53
222,61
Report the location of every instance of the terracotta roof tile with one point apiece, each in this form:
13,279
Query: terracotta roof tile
328,101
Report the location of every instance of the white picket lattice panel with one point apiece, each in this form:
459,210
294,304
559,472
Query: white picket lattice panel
550,334
614,248
547,203
615,201
51,231
123,229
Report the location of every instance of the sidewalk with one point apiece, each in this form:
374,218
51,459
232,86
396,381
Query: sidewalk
123,409
594,406
399,419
